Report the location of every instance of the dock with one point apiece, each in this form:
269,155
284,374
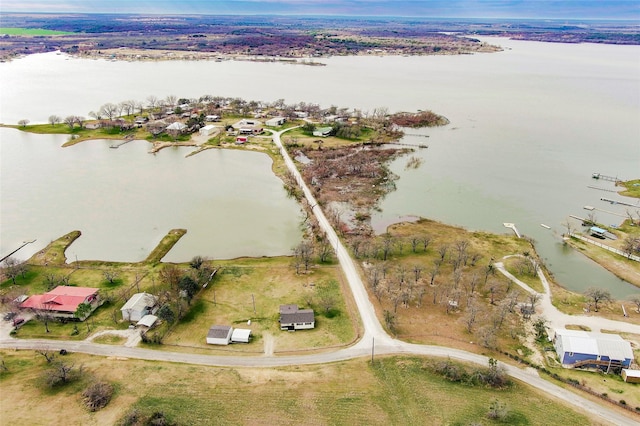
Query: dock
622,203
602,189
118,144
605,177
513,227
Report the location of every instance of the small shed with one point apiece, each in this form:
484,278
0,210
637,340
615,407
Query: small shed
597,232
207,130
147,321
241,139
631,376
323,131
219,335
240,335
275,121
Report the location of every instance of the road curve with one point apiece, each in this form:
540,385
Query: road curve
373,333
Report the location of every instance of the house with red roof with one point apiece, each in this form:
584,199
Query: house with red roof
63,301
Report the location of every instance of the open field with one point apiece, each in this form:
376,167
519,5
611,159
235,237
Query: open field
270,282
396,390
32,32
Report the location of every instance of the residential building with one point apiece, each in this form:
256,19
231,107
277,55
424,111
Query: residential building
292,318
577,348
63,301
139,305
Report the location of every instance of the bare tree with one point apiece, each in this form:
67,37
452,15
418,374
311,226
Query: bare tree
11,268
442,251
54,119
598,295
304,251
635,299
47,354
110,275
23,122
325,249
70,121
109,110
387,245
152,101
426,239
471,317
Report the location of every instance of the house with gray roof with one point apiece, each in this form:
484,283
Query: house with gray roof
219,335
292,318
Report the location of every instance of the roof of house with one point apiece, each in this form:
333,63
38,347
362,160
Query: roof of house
139,301
62,298
209,127
219,332
610,345
147,320
302,315
176,126
240,334
287,309
323,129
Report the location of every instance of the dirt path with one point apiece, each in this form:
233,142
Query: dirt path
269,343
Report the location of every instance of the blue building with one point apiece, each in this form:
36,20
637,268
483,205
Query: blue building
577,348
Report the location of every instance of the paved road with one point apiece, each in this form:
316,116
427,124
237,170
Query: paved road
373,331
557,319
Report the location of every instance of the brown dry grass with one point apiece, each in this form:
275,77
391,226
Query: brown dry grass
398,390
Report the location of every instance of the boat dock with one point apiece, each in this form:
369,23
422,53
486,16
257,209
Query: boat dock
602,189
622,203
118,144
513,227
605,177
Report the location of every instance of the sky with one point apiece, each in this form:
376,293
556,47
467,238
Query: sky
558,9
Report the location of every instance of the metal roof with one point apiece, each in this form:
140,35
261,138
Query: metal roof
138,302
610,345
219,332
148,320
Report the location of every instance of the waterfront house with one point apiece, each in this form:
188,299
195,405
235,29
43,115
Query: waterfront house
576,348
63,301
139,305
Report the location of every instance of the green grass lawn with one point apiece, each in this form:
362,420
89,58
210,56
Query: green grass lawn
31,32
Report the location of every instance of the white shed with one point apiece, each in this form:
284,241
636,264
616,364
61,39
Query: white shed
139,305
275,121
240,335
207,130
147,321
219,335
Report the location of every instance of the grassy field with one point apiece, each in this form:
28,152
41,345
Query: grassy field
396,390
31,32
632,188
270,282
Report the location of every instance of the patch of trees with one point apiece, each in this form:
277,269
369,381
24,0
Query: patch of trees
179,287
419,119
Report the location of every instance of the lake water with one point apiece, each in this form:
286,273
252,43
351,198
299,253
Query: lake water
528,128
125,200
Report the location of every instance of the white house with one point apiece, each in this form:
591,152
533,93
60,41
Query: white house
212,118
275,121
240,335
577,348
292,318
219,335
139,305
176,127
207,130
